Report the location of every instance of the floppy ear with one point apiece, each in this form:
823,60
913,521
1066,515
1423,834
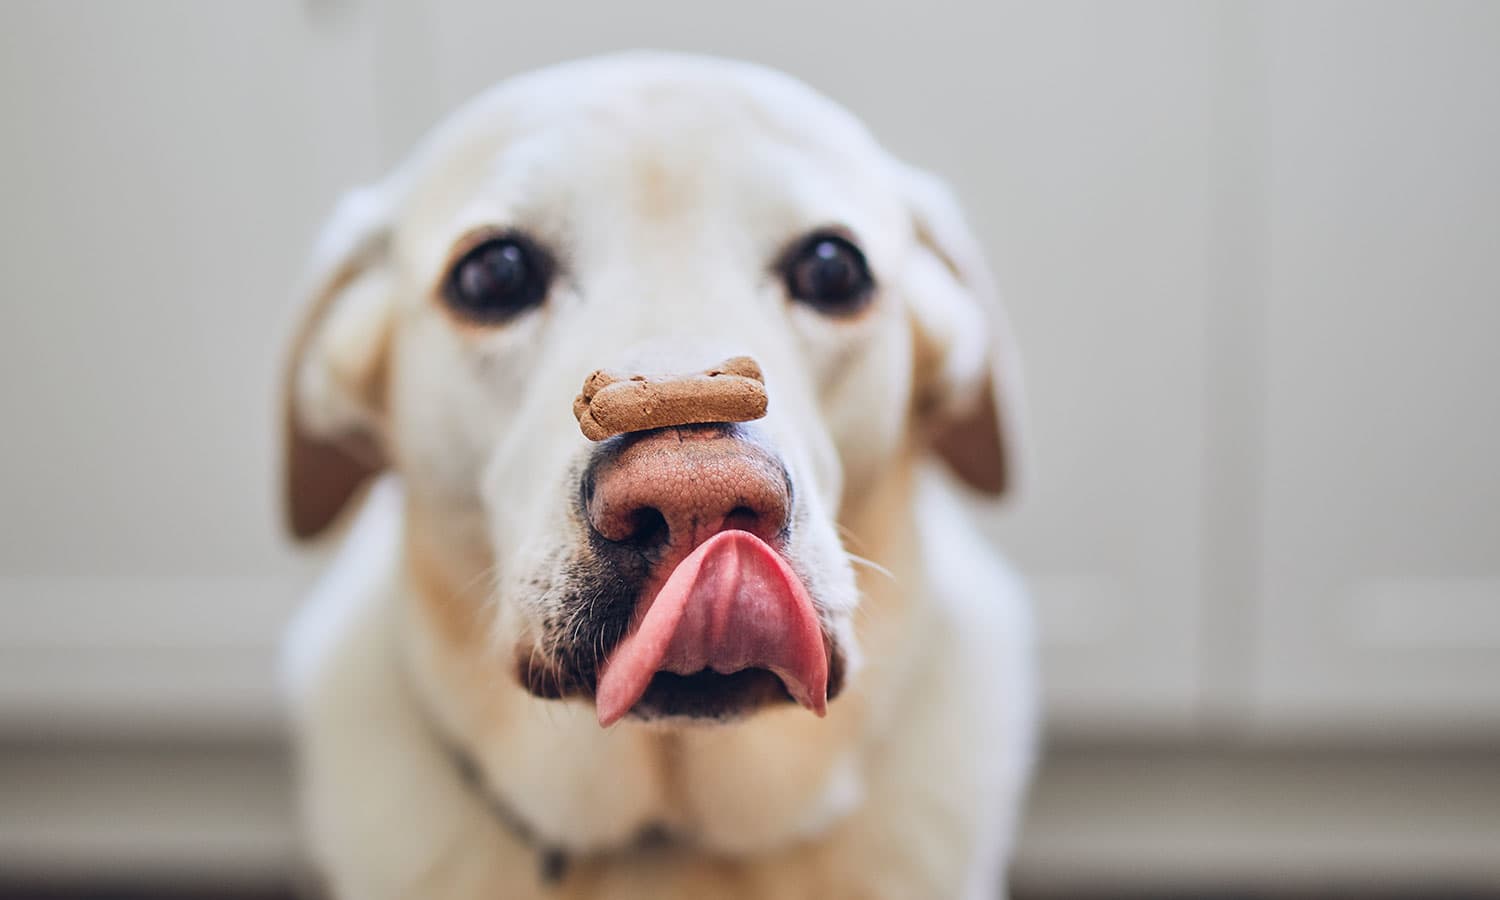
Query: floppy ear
336,372
967,381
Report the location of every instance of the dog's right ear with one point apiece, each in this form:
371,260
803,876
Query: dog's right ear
337,370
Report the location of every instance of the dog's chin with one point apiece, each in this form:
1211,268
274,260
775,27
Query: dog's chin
705,697
709,697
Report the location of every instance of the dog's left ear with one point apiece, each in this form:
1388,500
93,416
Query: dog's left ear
967,390
337,370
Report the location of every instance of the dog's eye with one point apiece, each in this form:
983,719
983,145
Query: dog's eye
498,279
829,274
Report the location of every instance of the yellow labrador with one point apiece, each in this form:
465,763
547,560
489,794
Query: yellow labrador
768,658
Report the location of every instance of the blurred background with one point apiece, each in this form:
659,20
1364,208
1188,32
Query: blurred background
1252,251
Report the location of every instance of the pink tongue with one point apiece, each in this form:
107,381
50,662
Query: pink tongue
732,604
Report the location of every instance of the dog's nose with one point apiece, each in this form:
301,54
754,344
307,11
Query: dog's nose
674,488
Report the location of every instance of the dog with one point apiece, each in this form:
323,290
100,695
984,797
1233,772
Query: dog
759,658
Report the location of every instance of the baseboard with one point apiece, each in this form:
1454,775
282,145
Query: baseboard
146,812
1111,821
1186,819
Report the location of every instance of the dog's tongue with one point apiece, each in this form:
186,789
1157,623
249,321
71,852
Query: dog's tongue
732,604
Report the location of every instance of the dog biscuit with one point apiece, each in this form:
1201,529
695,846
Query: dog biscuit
613,403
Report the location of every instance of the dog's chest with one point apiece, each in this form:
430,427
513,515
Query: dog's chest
706,834
751,789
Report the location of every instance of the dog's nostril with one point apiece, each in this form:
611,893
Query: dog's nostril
648,528
743,518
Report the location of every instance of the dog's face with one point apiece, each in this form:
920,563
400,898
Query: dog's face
655,215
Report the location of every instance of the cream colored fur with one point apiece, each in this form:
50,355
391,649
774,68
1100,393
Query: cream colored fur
671,181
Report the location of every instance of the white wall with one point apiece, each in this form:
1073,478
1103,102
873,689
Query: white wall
1249,248
1379,520
163,168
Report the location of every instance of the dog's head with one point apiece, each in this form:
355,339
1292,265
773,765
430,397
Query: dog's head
652,214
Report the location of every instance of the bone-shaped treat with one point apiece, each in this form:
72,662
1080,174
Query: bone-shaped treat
616,403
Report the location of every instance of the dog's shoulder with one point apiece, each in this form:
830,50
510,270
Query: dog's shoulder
973,591
372,768
973,688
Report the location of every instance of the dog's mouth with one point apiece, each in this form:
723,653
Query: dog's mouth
731,630
709,695
730,614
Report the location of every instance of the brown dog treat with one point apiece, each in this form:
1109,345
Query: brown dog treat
612,403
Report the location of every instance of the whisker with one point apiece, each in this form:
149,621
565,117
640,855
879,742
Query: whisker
490,572
849,537
870,564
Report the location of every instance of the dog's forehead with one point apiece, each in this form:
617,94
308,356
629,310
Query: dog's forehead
638,94
647,129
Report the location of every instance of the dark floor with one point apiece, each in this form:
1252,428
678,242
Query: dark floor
17,891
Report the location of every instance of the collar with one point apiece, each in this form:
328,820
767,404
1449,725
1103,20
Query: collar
553,861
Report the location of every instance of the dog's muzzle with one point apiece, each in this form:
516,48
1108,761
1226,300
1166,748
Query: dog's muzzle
722,621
